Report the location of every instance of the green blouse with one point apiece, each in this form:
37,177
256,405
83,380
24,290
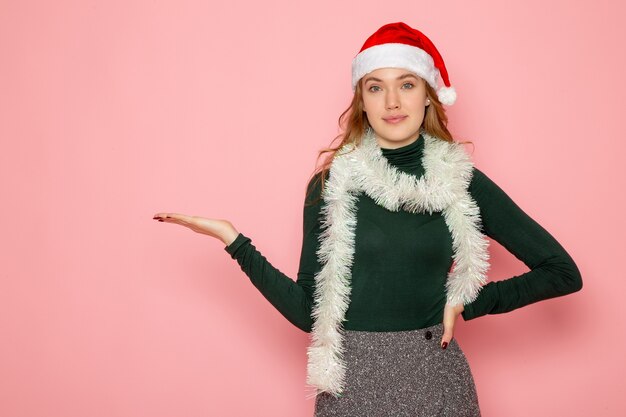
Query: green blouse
402,259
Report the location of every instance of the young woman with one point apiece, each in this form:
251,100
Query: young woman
395,246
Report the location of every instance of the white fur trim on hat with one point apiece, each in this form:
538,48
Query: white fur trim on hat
394,55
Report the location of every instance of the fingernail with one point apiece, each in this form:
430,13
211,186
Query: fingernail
161,220
444,345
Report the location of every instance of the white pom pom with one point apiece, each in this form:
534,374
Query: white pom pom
447,95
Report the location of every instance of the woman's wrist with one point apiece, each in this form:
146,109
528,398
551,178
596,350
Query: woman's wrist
229,236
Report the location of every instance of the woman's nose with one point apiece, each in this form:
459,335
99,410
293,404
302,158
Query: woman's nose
391,101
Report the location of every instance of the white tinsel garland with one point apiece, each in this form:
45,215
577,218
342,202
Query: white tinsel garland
443,187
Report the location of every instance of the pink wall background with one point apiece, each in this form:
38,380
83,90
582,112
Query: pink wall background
113,111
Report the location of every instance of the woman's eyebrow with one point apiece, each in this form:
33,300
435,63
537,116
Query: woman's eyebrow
407,75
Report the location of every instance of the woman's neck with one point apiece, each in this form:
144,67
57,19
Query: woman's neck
408,158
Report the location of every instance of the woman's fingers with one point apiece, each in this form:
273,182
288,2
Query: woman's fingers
448,327
177,218
450,314
172,218
161,216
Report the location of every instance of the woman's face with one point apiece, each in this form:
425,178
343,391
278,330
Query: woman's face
394,100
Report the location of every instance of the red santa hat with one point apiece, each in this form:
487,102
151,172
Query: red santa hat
397,45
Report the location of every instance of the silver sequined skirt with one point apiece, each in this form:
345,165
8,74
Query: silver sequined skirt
403,373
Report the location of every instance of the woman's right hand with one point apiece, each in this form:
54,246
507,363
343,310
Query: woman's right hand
220,229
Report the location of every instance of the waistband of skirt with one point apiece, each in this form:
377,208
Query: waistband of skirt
434,330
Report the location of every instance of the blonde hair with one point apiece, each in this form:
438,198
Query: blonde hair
354,123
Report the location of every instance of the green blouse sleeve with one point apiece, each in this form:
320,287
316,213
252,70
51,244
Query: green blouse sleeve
293,299
553,272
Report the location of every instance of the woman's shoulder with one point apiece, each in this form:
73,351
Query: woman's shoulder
483,187
314,188
478,176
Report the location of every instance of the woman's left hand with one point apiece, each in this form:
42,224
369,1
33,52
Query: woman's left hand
450,313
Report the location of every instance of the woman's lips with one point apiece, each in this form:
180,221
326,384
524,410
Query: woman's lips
394,120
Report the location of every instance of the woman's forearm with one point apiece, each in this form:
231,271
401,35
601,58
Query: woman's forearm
293,299
553,272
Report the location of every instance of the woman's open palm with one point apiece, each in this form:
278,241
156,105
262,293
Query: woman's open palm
218,228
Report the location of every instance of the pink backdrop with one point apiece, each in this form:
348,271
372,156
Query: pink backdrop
113,111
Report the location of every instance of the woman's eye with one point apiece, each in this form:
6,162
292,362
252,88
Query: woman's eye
410,85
